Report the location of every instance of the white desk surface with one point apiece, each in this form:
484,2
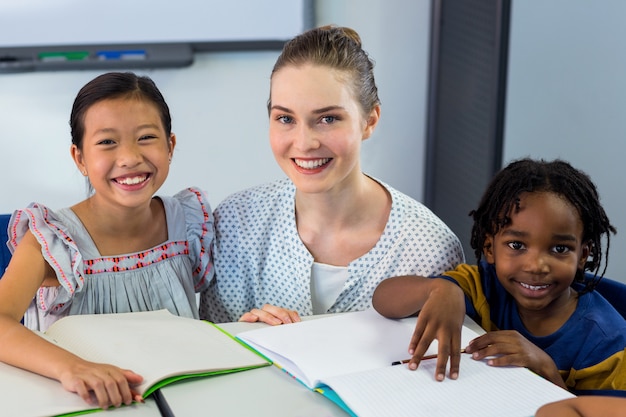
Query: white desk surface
258,392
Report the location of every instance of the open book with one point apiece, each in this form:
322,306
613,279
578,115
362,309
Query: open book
348,358
158,345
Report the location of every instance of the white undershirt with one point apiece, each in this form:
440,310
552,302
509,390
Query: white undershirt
326,284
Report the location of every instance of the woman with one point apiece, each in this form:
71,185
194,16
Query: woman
321,240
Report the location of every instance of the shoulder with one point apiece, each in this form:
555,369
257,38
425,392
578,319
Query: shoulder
411,208
191,208
37,218
464,272
265,197
594,308
191,203
415,218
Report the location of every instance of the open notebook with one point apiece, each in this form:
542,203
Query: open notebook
348,358
159,346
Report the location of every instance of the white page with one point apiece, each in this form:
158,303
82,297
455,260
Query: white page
25,394
481,390
314,350
154,344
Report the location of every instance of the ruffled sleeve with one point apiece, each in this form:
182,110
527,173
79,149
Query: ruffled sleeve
200,234
57,247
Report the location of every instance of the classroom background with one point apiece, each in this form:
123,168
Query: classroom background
565,97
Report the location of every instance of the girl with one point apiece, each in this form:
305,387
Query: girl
321,240
539,227
120,250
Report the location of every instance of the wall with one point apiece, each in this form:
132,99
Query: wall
218,106
566,96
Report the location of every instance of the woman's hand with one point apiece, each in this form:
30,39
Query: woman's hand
508,347
271,314
101,384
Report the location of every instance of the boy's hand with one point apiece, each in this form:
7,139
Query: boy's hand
508,347
440,318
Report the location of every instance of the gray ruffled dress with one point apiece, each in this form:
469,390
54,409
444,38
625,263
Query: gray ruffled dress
167,276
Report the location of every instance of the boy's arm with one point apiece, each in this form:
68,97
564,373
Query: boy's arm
585,406
441,307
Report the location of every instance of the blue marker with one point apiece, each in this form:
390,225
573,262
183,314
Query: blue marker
122,55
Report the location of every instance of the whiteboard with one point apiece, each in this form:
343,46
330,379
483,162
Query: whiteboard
27,23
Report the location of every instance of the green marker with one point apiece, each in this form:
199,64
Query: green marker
63,56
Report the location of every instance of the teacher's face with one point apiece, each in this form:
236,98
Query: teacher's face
316,127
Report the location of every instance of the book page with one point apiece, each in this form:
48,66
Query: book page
154,344
317,349
481,390
26,394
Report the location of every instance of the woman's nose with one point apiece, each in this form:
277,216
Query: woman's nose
305,138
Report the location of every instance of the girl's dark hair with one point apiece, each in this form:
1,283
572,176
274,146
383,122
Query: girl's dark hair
502,197
115,85
338,48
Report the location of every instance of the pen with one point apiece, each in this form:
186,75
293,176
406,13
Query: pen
164,407
423,358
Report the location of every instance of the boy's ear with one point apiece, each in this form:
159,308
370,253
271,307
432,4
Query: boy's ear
584,255
488,249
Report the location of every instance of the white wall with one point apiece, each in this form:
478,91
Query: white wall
567,96
218,107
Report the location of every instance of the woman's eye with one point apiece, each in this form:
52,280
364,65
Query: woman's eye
328,119
284,119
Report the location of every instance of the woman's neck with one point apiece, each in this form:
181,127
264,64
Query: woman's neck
341,225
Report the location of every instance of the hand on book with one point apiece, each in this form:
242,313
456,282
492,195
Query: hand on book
509,347
271,314
101,384
440,318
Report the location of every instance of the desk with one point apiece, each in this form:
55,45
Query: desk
258,392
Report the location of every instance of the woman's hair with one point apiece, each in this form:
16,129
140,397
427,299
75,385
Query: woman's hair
114,85
502,198
338,48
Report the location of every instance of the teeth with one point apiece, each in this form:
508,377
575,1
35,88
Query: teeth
312,164
132,180
534,287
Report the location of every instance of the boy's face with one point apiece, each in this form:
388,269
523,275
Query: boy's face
537,255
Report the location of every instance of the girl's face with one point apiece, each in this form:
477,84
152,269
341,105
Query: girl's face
537,255
316,127
125,151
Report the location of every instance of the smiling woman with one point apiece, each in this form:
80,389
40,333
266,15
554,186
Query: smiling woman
321,240
120,250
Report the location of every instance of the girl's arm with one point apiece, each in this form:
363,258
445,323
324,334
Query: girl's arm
25,349
441,307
